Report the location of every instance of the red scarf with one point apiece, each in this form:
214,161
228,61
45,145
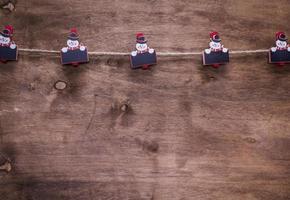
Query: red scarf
216,50
73,48
145,51
281,48
5,45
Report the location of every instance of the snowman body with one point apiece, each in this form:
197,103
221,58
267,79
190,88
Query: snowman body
215,47
281,46
73,45
142,48
7,42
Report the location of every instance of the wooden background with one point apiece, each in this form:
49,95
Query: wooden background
190,132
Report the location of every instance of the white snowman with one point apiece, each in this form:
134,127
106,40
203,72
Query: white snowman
141,45
215,44
73,42
6,37
281,42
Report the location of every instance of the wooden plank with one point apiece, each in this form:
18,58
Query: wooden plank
190,132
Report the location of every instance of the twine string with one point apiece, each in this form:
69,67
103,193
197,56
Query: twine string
111,53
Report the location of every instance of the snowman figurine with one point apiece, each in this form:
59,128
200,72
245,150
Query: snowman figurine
6,38
215,44
141,45
73,42
281,43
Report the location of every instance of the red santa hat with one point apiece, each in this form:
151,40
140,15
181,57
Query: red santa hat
73,35
140,38
281,36
8,31
214,36
10,28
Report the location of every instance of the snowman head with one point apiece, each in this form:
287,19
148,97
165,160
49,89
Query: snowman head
5,36
4,40
281,44
215,45
72,43
73,38
281,39
141,42
141,46
215,40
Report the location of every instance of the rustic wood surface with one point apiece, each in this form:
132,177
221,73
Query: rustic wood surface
189,133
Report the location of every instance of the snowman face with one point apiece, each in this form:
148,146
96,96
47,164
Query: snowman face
215,45
141,47
72,43
281,44
4,40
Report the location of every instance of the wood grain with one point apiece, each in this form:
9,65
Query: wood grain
190,132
